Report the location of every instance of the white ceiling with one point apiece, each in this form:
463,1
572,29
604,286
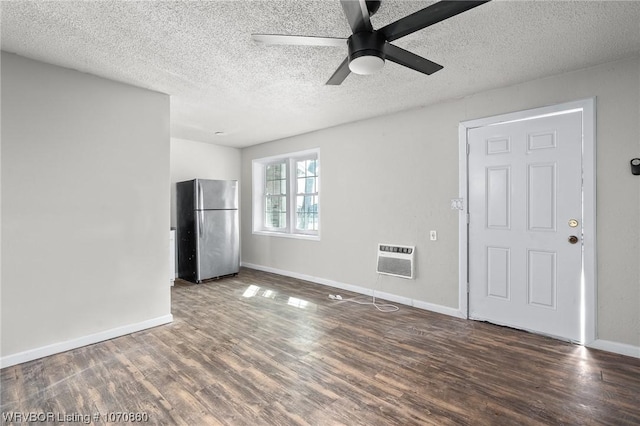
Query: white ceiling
220,80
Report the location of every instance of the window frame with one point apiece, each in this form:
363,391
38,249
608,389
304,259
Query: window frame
259,178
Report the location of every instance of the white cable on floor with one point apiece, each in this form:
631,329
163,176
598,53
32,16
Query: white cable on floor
385,307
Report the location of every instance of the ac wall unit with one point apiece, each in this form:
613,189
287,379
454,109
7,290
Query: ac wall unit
396,260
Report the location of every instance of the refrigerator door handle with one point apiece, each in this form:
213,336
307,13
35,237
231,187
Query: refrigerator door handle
200,195
200,222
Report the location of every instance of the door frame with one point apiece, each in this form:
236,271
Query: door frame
588,320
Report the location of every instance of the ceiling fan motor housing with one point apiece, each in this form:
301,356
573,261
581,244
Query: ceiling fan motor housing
369,46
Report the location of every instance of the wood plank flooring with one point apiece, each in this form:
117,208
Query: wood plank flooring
261,349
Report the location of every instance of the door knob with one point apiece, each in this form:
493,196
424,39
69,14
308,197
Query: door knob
573,239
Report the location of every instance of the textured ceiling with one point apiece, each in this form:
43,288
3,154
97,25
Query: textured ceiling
220,80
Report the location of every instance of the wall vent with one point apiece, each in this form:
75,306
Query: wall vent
396,260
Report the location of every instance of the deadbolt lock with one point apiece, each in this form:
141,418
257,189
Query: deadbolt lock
573,223
573,239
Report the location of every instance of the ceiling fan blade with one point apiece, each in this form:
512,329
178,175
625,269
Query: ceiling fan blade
341,73
428,16
410,60
357,14
296,40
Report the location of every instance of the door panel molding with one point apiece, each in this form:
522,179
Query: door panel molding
540,141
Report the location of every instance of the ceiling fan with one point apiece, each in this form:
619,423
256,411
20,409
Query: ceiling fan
368,48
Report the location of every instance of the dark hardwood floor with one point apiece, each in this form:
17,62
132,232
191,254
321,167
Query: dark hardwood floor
261,349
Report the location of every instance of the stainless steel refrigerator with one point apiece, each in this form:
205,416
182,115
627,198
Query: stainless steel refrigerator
208,229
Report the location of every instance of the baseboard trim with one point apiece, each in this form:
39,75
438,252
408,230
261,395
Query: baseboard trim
55,348
361,290
615,347
452,312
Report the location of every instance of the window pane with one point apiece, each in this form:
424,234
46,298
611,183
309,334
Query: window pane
307,212
270,188
307,185
270,221
306,168
310,185
312,167
271,172
276,171
276,211
300,168
277,187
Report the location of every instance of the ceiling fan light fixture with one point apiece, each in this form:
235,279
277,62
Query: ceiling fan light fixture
366,52
366,64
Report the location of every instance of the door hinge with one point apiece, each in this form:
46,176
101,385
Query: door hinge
468,148
468,219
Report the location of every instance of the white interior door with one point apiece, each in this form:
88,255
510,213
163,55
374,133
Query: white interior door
525,236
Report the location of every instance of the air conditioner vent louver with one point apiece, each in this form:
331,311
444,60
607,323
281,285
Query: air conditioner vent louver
396,260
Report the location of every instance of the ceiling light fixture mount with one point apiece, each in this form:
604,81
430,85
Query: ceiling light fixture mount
366,52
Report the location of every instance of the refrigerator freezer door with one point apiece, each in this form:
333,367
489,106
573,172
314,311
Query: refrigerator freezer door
218,243
186,230
216,194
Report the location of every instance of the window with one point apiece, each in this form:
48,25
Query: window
275,196
286,195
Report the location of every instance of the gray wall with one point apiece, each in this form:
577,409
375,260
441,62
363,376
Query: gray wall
391,179
85,207
191,159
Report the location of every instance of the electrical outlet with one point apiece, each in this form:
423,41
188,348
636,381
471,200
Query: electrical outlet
433,235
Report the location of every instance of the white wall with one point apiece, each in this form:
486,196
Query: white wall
85,217
391,179
191,159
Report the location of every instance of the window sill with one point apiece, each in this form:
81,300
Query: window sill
287,235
